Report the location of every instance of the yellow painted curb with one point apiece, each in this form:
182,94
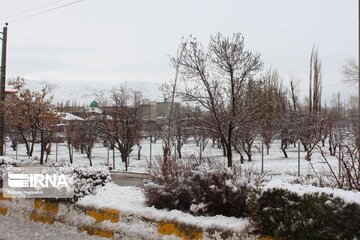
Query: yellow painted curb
42,217
98,232
101,215
180,230
46,205
3,211
2,198
44,211
269,238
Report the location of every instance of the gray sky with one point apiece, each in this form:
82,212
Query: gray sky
107,42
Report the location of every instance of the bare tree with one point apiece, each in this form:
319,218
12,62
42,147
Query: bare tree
348,174
182,128
350,71
294,98
86,136
217,80
273,98
315,84
121,121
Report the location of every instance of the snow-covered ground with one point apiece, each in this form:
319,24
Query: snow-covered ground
21,229
274,164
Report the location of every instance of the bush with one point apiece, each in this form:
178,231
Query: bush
201,188
285,214
86,179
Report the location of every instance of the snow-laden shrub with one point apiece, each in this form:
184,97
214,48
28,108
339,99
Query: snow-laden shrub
201,188
86,179
6,163
285,214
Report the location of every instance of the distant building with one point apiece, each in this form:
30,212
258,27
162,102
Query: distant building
163,108
9,94
148,111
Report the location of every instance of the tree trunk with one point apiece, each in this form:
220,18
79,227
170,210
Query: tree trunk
42,148
305,147
113,150
248,154
139,152
25,141
70,154
332,153
124,160
48,151
219,144
308,155
179,151
165,164
224,151
283,147
32,148
89,154
228,155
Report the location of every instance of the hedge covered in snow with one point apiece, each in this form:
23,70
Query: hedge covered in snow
288,214
201,188
86,179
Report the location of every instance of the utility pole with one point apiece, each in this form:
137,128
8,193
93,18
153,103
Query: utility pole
2,87
358,128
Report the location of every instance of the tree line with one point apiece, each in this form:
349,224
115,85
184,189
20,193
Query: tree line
227,100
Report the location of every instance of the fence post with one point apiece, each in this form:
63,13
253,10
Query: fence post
298,159
340,161
113,158
262,157
108,156
200,151
56,151
150,149
175,151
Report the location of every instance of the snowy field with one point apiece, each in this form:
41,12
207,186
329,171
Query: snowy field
274,164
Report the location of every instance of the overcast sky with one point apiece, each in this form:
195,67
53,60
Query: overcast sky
107,42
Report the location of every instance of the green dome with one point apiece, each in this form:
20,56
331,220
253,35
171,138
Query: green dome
94,104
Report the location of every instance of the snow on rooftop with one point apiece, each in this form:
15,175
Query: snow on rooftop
71,117
10,91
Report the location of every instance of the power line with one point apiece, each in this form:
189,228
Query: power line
31,10
45,11
325,86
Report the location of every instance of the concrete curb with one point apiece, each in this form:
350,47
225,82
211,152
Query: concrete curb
106,222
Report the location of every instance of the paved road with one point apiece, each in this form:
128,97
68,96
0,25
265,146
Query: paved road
21,229
128,179
121,178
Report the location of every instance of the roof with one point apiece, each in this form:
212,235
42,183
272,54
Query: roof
71,117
